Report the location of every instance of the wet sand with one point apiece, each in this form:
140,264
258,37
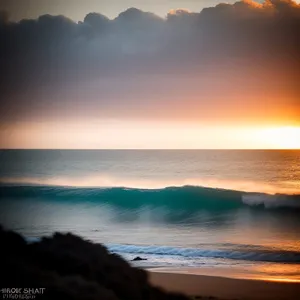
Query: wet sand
210,286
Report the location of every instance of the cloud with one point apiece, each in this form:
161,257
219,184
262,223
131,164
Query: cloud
139,63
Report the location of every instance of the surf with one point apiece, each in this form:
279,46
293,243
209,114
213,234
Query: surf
194,253
183,198
252,254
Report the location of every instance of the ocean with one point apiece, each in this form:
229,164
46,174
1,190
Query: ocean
236,210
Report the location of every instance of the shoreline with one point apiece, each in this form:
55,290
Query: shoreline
211,286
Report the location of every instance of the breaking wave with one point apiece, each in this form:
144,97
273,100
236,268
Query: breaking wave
251,254
185,197
258,255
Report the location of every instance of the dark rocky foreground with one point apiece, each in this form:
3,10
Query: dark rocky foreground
69,267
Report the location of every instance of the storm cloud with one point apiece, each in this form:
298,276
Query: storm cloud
141,65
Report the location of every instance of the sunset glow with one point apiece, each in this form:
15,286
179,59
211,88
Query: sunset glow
155,76
147,135
282,137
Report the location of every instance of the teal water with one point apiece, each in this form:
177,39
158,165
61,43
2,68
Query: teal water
192,208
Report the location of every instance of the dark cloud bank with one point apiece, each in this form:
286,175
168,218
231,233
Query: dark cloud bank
53,63
69,267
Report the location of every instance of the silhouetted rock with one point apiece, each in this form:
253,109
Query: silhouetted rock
69,267
139,258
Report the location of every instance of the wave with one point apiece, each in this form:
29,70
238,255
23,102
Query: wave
184,198
245,254
192,253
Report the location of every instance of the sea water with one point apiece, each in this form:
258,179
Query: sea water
236,210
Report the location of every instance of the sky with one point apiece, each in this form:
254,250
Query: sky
78,9
149,74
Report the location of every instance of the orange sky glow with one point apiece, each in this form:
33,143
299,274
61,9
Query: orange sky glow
225,77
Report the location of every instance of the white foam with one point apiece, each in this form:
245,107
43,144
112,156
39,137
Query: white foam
211,253
271,201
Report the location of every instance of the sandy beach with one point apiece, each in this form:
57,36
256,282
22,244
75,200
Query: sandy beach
211,286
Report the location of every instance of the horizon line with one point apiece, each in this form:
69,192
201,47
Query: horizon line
153,149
